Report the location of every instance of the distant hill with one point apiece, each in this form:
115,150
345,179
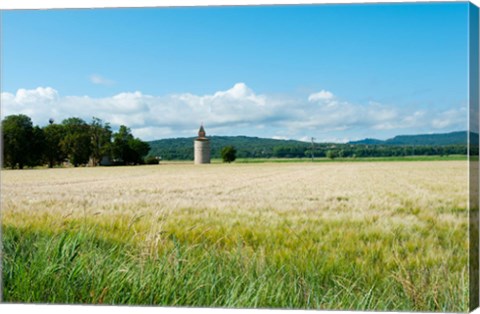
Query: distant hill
368,141
453,138
255,147
182,148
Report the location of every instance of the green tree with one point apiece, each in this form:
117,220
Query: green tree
140,149
53,153
229,154
280,151
77,143
127,149
120,149
100,136
331,154
17,133
37,147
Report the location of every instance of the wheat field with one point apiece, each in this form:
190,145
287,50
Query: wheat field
360,235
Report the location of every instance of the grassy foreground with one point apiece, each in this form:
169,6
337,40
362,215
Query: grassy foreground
273,236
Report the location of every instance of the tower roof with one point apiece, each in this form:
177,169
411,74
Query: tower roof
201,131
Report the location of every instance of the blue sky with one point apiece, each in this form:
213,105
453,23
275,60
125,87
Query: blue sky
333,72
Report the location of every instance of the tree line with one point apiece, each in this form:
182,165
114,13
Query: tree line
251,147
73,140
360,150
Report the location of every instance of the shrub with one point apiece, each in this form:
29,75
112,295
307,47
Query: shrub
152,160
229,154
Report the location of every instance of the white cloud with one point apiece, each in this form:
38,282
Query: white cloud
29,96
306,139
450,118
154,132
32,102
334,140
235,111
322,95
100,80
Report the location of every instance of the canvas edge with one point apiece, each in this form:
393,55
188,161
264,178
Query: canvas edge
473,141
473,96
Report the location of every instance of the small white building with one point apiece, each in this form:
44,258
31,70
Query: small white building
201,148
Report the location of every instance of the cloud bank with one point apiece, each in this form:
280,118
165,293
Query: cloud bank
236,111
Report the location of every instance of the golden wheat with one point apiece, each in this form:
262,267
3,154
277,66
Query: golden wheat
401,225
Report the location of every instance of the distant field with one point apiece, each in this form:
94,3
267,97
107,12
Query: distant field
350,159
324,159
349,235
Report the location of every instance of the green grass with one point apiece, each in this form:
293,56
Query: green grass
318,159
349,159
216,262
324,159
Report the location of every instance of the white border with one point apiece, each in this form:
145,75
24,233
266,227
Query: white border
94,309
79,4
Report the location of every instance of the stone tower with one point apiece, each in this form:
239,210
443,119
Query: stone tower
202,148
